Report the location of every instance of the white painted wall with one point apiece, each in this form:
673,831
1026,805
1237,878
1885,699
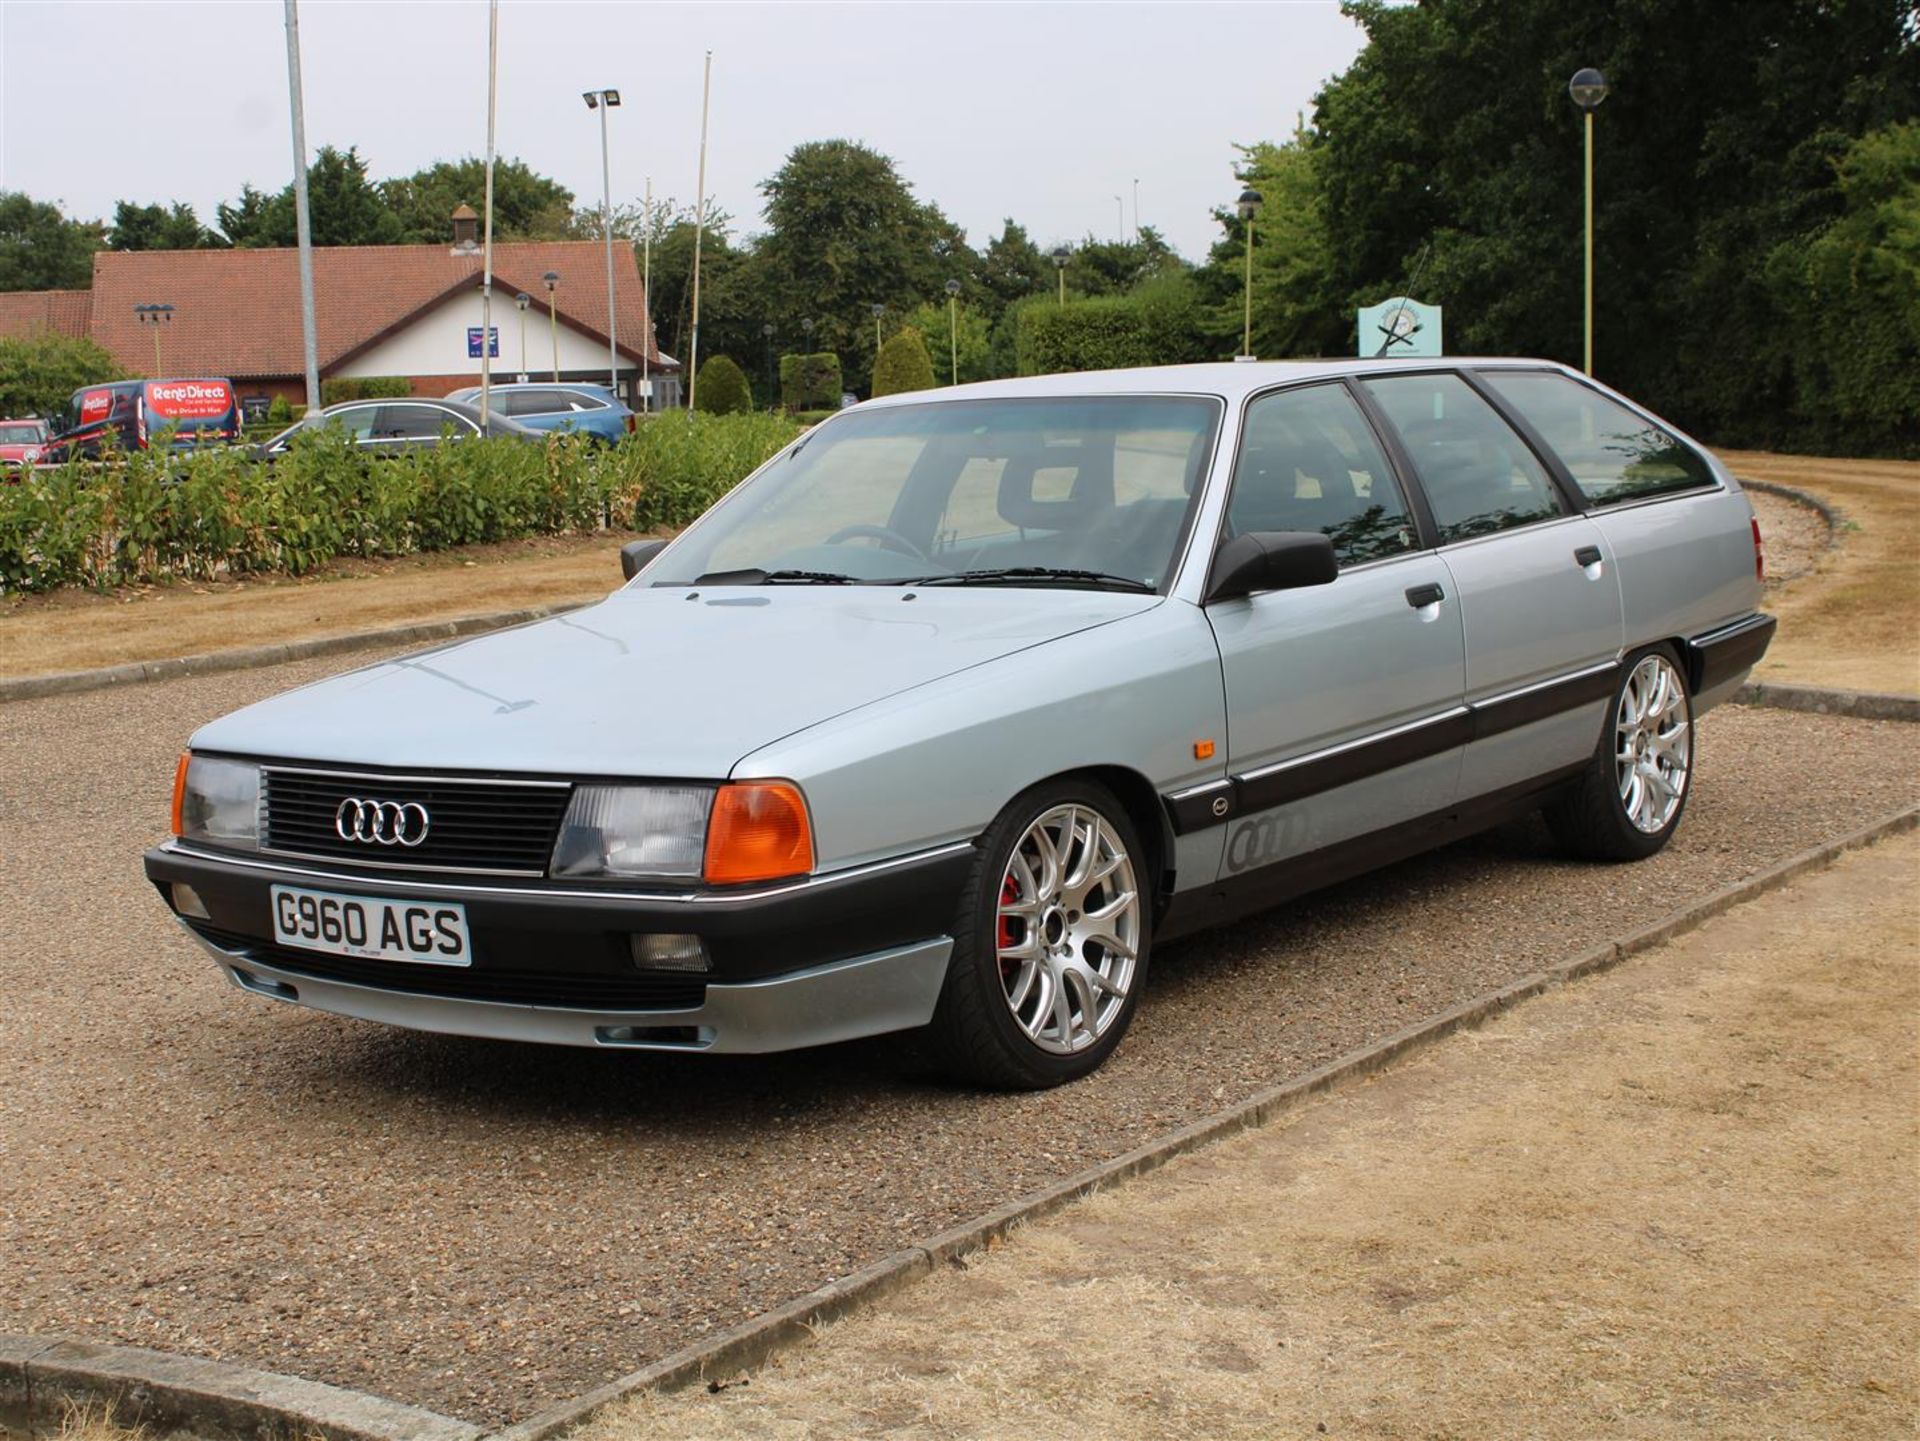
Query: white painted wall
436,343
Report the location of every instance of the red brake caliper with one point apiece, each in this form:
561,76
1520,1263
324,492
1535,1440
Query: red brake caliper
1009,893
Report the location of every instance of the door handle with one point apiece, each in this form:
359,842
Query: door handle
1587,555
1425,595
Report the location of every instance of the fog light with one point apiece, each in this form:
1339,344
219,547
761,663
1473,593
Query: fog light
186,900
670,953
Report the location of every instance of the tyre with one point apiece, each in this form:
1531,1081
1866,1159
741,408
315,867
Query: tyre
1051,941
1629,801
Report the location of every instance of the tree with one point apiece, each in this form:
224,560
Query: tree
526,204
345,207
722,388
976,355
903,364
1012,269
845,233
40,249
39,373
1113,267
158,227
1296,311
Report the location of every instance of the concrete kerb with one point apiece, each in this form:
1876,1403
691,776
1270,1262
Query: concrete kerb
754,1342
1859,704
1831,514
43,1379
31,687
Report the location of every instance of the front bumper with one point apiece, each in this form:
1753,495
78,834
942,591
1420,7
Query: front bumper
802,964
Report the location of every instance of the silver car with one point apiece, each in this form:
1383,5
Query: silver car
953,708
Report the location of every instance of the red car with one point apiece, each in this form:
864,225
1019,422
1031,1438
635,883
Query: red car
21,442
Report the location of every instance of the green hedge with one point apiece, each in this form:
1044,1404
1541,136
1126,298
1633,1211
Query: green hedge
903,364
722,388
810,382
1160,323
151,516
369,387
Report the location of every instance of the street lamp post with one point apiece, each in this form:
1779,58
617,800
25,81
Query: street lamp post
1588,88
603,101
1120,220
1248,207
877,310
1061,255
804,378
521,302
552,278
156,316
766,334
953,330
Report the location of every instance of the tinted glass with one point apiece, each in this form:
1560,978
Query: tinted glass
928,491
1309,461
418,422
1478,474
534,402
1614,455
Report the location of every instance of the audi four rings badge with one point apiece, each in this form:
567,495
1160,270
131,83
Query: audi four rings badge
381,823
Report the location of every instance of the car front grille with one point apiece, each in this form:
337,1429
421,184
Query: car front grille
498,827
576,991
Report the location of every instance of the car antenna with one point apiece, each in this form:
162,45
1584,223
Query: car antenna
1419,269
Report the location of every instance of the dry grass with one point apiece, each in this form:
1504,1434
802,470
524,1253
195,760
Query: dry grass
96,1422
1677,1200
77,629
1851,622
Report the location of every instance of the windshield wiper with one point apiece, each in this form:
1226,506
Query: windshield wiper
753,575
1015,574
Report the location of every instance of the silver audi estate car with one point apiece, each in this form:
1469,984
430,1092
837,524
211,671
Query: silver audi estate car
946,714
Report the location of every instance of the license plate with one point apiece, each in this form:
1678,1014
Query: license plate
430,933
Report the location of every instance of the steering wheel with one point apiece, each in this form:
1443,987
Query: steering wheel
889,539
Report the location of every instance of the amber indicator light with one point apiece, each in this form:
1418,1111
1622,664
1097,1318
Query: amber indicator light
179,789
758,831
1203,750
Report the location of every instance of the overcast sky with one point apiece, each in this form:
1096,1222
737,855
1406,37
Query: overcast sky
1042,112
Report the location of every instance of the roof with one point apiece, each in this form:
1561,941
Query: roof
1232,380
28,312
237,312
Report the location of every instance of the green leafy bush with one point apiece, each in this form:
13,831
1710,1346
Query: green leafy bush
280,411
810,382
366,387
722,388
1160,323
150,515
903,364
39,373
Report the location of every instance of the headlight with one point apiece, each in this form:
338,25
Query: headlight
634,831
218,801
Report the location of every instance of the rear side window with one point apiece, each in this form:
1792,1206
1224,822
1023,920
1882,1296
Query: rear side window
1613,454
534,402
417,422
1309,461
1478,474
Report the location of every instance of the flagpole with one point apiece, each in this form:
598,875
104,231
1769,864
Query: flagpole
646,299
303,225
486,279
699,229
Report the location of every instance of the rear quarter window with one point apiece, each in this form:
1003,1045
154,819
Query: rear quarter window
1613,454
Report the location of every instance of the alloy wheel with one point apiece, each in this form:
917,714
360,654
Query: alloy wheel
1653,744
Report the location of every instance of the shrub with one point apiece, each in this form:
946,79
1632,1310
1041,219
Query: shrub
39,373
810,382
903,364
150,515
364,387
722,389
280,411
1158,324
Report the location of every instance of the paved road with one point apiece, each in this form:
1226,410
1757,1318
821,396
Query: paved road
483,1229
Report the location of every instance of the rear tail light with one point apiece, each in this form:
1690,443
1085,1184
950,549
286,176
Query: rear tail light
633,422
1759,554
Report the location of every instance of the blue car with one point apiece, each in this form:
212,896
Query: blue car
592,409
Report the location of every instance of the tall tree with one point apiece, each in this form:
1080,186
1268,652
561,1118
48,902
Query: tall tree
346,208
526,204
1011,269
158,227
40,249
1296,311
845,233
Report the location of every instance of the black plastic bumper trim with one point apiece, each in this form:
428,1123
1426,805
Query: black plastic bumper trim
1718,656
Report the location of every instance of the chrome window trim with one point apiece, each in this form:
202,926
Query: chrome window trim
828,878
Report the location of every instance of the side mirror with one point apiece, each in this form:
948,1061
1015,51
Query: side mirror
636,553
1271,560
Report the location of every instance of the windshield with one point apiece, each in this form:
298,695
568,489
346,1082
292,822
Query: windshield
22,433
1086,490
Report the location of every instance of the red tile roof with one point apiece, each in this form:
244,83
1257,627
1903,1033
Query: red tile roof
237,312
65,312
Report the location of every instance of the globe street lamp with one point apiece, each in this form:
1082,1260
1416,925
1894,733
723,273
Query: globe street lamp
521,302
552,278
953,329
156,316
1061,255
1588,88
1249,207
603,101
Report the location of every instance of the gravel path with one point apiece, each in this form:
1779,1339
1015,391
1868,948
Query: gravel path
484,1229
1795,536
